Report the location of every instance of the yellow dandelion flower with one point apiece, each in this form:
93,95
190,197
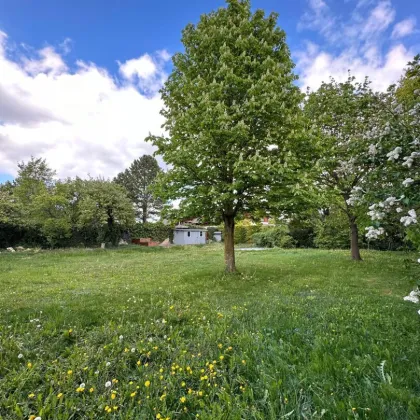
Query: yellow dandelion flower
85,368
146,364
200,393
220,345
115,407
106,407
113,396
70,330
29,365
221,357
158,416
133,394
126,350
147,384
161,377
244,362
31,395
138,363
230,348
162,397
183,384
59,395
190,391
354,409
182,399
115,381
69,372
171,307
91,390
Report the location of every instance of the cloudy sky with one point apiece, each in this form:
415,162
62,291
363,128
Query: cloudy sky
79,80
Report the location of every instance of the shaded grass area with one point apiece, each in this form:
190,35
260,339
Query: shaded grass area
298,334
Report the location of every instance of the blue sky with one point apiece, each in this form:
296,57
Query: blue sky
79,80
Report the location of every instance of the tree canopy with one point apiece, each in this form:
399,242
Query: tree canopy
231,108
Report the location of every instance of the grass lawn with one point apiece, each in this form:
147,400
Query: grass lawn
163,333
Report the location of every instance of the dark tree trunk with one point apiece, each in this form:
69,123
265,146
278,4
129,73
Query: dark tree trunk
144,213
229,222
355,251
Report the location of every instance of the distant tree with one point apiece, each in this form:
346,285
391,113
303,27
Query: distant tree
341,115
231,108
8,210
138,180
104,206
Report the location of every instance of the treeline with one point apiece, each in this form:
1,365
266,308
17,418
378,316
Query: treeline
36,209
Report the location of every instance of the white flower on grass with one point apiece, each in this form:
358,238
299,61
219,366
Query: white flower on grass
133,350
20,355
399,209
97,372
108,364
413,296
121,337
408,182
150,339
108,384
38,326
37,418
82,385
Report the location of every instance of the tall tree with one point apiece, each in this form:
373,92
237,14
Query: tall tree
341,114
138,180
104,206
230,110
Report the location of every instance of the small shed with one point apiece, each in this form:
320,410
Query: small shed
217,236
188,235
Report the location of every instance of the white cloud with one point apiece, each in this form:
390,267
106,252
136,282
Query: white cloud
83,121
359,48
143,67
404,28
379,19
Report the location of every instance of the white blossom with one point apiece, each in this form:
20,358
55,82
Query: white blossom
408,182
373,150
374,233
108,384
394,154
20,356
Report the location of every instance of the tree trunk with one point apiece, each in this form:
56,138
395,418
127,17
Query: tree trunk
144,215
355,252
229,222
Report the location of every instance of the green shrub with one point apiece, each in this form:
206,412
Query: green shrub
157,231
333,232
244,231
278,236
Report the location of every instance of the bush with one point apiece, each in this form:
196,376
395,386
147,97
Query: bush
274,237
157,231
244,231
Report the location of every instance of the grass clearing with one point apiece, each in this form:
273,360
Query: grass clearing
162,333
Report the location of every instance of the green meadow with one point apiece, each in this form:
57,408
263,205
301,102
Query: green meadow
140,333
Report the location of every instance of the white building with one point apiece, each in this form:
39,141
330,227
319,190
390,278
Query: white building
186,235
217,236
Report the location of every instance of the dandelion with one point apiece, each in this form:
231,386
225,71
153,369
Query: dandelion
200,393
147,384
182,399
29,365
126,350
221,357
220,345
69,372
113,395
32,395
138,363
133,394
183,384
59,395
133,350
115,381
244,362
91,390
115,407
108,384
20,356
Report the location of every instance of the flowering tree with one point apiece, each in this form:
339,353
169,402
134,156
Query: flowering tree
340,114
396,133
395,136
231,110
